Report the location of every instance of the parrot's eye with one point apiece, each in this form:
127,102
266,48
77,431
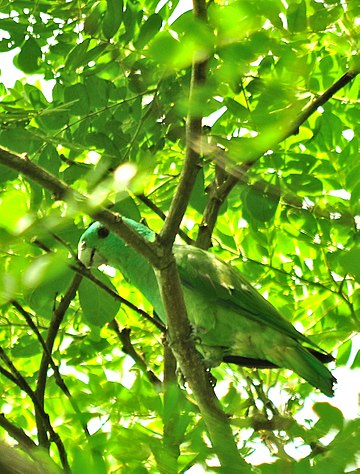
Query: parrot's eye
103,232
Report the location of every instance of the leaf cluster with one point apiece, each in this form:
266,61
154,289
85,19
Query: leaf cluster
276,193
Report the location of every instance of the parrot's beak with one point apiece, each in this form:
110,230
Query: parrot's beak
89,256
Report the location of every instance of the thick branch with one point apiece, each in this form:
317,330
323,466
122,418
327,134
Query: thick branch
17,433
182,344
193,140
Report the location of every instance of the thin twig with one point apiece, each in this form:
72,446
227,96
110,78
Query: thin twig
128,348
83,271
151,205
58,378
42,415
56,320
294,126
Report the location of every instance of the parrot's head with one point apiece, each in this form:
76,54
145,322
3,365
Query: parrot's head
97,245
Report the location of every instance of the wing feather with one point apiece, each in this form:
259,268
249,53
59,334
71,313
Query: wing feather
221,283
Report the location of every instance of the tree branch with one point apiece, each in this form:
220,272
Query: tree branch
63,192
128,348
192,163
294,126
182,344
43,416
219,190
56,320
222,184
58,378
17,433
319,101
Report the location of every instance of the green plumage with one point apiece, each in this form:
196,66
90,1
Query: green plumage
231,320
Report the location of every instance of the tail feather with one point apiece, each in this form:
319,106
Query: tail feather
308,363
309,367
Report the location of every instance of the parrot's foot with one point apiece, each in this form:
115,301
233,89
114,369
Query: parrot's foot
196,334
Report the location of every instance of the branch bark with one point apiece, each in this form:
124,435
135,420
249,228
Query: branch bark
188,359
128,348
58,378
43,416
56,320
61,191
17,433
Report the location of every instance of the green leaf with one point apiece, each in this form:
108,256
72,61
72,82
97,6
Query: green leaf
350,261
77,98
98,91
93,19
14,206
344,353
356,362
20,140
49,160
164,49
97,305
259,204
198,198
28,60
76,56
304,184
148,30
303,221
46,278
126,206
236,109
296,16
28,346
112,18
329,417
7,174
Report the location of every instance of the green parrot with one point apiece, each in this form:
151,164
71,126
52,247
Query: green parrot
231,321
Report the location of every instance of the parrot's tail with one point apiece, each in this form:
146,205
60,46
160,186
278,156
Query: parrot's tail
309,367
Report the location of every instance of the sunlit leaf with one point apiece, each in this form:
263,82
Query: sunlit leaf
98,306
28,60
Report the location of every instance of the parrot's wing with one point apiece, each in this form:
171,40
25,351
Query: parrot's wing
223,285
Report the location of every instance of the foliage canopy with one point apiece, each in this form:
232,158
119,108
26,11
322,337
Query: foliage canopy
273,186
